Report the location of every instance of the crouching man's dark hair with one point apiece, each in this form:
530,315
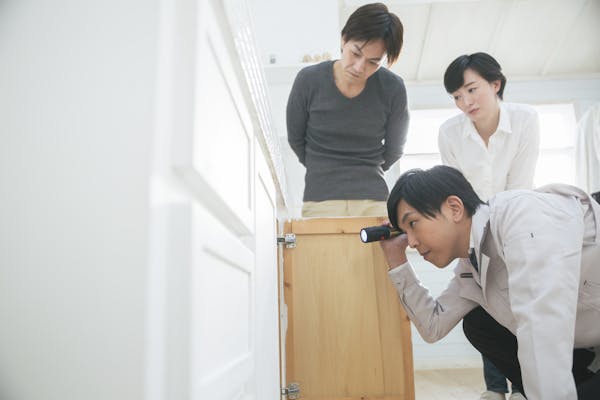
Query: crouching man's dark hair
426,190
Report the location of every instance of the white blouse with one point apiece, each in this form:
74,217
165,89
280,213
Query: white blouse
509,160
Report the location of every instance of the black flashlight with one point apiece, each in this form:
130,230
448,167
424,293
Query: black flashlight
376,233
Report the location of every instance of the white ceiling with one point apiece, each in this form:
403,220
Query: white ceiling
531,39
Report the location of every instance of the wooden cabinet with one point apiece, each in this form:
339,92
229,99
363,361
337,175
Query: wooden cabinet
348,336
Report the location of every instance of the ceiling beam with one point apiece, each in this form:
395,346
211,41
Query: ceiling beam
425,43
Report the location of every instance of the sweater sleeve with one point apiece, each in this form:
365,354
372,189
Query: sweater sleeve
396,129
297,116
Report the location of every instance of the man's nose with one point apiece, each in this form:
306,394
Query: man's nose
359,65
412,240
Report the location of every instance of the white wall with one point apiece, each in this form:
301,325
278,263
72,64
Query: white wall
454,350
287,30
76,102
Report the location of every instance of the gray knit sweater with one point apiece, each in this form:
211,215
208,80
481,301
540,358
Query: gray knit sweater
346,144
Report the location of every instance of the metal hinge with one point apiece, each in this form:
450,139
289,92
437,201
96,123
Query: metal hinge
292,391
289,239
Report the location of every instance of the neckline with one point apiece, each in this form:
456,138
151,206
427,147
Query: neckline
337,89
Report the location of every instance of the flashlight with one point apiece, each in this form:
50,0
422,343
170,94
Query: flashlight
375,233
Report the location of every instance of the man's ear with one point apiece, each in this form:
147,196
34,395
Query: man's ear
456,207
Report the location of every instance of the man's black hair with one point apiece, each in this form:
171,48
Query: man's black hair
426,190
482,63
372,22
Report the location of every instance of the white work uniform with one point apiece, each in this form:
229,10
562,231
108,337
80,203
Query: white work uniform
539,276
506,163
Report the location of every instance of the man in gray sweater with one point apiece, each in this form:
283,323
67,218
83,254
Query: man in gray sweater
347,119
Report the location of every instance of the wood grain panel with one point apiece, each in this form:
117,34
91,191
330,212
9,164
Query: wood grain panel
348,336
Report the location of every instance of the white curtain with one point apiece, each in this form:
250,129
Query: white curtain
588,150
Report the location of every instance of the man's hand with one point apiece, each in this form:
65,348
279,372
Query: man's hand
394,249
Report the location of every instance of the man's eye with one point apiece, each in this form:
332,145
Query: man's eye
456,98
412,224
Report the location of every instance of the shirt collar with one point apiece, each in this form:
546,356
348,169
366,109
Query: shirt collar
479,222
468,128
503,123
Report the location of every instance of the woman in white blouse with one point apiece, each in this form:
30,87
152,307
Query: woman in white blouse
494,144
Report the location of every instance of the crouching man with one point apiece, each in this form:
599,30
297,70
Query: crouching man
527,284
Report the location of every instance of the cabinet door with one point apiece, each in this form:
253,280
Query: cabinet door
348,336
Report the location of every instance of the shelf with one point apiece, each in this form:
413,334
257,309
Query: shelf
283,73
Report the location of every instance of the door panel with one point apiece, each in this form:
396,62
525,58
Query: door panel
214,152
222,311
222,140
221,264
348,336
266,276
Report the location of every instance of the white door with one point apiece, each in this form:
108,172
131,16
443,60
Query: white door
220,324
266,278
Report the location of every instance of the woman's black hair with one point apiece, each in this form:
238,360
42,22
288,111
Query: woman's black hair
482,63
426,190
372,22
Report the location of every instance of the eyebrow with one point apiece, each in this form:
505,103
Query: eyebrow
469,84
359,49
406,214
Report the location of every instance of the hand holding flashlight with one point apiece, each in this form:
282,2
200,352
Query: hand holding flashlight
376,233
394,250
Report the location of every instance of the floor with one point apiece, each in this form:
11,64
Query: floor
449,384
